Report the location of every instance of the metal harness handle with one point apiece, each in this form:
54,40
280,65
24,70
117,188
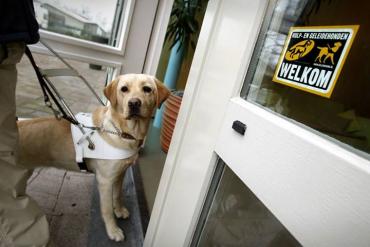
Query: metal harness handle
47,89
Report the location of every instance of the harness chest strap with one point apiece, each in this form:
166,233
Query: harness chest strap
103,150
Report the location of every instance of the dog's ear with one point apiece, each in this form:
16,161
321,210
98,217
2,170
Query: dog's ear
162,92
110,92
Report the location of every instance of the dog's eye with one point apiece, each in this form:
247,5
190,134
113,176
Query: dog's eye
147,89
124,89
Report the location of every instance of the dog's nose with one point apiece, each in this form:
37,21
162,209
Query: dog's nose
134,103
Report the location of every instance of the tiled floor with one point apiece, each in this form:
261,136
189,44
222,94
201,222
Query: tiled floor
65,197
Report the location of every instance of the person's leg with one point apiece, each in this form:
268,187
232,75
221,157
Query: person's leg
22,223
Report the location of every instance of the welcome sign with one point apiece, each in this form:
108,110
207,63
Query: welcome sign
313,57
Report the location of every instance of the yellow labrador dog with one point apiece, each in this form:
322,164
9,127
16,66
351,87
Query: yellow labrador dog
48,141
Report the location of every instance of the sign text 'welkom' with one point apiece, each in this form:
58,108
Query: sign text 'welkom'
313,57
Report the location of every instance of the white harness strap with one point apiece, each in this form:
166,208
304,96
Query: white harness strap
103,150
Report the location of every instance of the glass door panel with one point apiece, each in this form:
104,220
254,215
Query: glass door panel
343,115
234,216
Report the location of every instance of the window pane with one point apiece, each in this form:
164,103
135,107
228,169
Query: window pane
92,20
29,96
344,113
236,217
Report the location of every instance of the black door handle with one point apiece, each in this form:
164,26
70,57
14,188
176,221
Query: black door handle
239,127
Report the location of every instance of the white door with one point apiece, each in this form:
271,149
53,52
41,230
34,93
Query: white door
295,168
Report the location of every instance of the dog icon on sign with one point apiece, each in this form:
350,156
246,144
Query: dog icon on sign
299,50
328,52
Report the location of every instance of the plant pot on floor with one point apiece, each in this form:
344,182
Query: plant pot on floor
170,112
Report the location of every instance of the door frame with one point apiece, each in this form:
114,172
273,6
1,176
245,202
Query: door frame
191,159
225,46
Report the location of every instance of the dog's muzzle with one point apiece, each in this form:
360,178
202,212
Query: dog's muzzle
134,106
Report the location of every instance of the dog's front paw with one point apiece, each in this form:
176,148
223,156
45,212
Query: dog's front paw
121,212
115,233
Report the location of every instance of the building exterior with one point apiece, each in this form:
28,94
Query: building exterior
41,14
57,19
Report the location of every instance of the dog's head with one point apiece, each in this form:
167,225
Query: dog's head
136,96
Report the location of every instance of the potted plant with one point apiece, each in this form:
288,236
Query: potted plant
181,33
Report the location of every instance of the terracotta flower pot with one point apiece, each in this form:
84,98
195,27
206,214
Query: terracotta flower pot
170,112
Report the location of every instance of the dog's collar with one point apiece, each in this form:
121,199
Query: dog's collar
125,135
118,132
122,134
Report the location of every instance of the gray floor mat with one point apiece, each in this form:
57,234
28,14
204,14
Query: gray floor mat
132,227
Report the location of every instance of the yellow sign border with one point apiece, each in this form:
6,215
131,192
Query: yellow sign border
327,94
